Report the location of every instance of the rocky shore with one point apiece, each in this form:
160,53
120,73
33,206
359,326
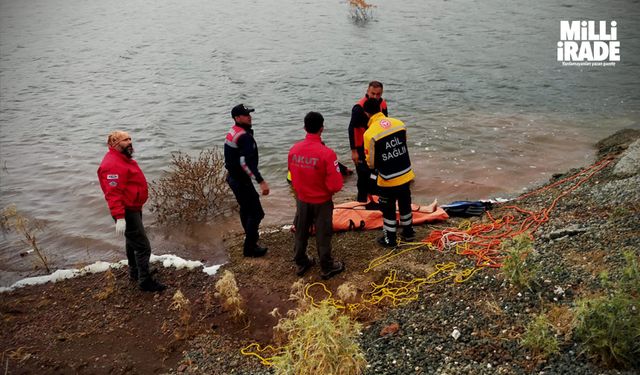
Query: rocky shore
102,324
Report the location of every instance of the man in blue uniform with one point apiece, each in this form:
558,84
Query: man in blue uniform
241,160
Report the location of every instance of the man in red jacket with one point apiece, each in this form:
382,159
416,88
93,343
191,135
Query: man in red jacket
315,177
125,189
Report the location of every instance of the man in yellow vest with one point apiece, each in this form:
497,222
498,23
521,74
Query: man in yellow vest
385,149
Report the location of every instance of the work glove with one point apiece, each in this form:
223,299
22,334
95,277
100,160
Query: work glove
121,225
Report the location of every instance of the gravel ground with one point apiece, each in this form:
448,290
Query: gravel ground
586,234
475,327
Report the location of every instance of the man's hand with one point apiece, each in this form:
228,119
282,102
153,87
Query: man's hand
354,156
121,225
264,187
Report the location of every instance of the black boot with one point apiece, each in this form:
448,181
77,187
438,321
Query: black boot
408,234
256,252
150,285
388,239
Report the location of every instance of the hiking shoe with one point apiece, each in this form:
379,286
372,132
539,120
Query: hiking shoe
408,234
150,285
336,269
303,269
387,241
256,253
133,275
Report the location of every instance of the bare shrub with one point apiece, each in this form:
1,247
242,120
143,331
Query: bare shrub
193,190
13,221
360,10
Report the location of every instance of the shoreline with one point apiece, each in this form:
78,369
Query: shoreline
472,180
584,236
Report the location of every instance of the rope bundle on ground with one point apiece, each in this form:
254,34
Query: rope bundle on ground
483,241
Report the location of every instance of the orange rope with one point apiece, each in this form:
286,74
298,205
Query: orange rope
482,241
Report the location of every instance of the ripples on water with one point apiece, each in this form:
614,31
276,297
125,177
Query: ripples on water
489,109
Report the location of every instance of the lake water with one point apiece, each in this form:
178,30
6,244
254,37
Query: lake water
489,109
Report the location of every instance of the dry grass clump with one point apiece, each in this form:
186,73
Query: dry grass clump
347,292
194,190
181,304
109,286
561,317
229,294
12,221
319,341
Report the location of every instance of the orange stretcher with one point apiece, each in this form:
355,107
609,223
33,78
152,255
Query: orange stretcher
364,216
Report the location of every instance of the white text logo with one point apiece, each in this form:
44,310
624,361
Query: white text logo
588,43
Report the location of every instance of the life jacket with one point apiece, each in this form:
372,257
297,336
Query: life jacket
383,104
364,216
240,167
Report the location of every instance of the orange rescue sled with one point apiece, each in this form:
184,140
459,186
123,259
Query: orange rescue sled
362,216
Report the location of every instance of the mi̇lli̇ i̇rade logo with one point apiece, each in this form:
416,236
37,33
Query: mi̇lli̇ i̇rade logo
588,43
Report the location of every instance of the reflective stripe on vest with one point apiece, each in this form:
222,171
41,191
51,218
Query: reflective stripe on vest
232,137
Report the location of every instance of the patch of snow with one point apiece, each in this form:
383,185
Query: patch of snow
167,260
212,270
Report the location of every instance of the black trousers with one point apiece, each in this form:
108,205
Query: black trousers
137,245
388,198
366,185
251,213
308,214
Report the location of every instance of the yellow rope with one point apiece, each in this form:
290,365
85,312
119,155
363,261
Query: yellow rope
397,292
266,361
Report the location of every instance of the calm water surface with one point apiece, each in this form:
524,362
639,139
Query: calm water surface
489,109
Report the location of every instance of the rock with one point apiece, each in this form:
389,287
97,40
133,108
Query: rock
390,329
455,334
571,230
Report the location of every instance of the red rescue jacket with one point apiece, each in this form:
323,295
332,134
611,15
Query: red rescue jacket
315,174
123,183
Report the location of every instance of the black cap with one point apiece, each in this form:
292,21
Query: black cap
241,110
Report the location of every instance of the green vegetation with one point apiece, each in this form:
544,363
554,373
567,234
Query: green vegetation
319,341
194,190
609,326
518,265
539,337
